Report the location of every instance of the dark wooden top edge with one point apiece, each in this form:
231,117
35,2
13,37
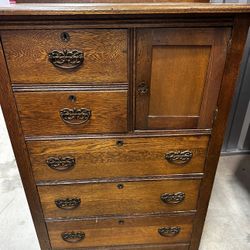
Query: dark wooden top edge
87,9
159,21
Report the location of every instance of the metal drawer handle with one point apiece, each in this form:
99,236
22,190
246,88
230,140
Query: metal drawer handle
73,237
75,116
61,163
173,198
68,203
169,231
179,157
66,59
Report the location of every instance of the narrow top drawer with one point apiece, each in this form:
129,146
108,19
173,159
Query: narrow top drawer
70,56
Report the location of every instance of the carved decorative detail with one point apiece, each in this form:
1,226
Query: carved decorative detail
68,203
173,198
142,89
66,59
75,116
179,157
61,163
169,231
73,237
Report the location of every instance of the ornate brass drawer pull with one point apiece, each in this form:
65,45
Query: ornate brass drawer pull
179,157
75,116
68,203
61,163
66,59
73,237
169,231
173,198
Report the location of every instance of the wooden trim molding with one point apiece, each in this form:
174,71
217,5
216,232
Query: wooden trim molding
70,87
135,134
193,176
161,21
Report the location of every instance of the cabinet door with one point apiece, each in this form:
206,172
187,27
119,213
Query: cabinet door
178,76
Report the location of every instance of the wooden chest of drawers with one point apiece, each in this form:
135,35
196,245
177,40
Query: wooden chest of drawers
116,114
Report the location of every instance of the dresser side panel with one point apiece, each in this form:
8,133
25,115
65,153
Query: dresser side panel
7,101
235,51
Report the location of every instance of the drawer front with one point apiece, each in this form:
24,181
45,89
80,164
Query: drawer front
124,157
69,112
69,56
118,198
125,231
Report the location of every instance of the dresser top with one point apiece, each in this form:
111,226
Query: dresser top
121,9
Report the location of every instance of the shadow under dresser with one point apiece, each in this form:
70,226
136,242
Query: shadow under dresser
116,113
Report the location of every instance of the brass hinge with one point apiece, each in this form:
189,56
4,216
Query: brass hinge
215,115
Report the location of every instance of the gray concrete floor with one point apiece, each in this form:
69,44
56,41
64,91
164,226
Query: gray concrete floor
227,224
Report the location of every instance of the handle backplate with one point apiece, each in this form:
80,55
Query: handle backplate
179,157
68,203
61,163
75,116
169,231
66,59
73,237
173,198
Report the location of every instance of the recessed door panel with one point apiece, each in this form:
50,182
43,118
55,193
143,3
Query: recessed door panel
178,77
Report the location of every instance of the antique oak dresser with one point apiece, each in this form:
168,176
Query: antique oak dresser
116,113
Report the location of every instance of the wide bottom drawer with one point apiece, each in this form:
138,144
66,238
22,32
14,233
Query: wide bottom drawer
120,231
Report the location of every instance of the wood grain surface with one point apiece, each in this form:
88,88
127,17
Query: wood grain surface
105,55
103,158
109,199
123,231
40,112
